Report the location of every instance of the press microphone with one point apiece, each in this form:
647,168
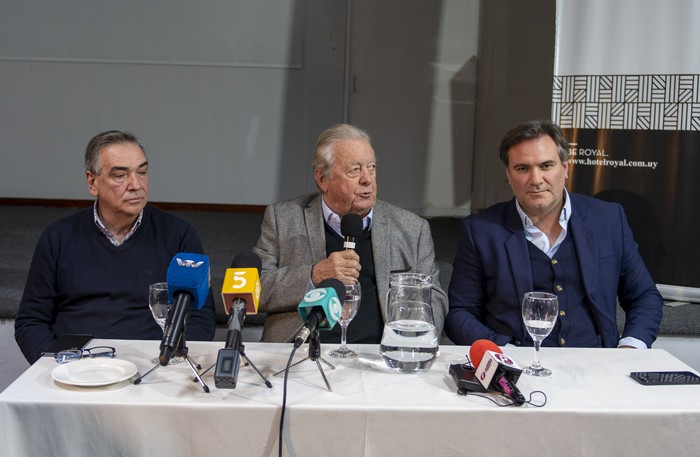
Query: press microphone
320,308
479,348
495,370
240,294
188,288
242,283
350,228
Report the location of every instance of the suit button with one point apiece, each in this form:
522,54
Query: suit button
554,261
562,341
559,288
562,313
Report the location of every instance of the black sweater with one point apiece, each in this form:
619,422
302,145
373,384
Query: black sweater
79,282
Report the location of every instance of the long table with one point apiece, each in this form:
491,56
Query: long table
593,408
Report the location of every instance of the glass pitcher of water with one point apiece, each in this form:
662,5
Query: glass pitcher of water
410,341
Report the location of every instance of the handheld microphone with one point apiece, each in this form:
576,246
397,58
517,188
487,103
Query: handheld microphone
350,228
320,308
188,288
495,370
240,293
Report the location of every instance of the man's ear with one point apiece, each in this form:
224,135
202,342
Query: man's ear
92,188
321,181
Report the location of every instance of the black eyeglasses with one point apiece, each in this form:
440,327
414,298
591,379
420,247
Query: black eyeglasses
72,355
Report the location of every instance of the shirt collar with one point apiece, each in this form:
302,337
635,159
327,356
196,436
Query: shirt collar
107,233
537,237
333,219
563,216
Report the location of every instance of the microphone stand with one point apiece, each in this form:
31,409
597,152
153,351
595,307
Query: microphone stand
241,351
314,355
181,351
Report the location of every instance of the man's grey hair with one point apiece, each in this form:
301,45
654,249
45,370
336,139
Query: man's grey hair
324,158
93,162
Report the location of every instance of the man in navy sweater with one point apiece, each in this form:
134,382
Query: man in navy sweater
91,271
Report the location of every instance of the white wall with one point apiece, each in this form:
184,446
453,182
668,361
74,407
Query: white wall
230,96
413,70
227,96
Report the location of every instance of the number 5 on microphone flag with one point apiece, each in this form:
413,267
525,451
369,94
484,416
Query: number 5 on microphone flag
244,284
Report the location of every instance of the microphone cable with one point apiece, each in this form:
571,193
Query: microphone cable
284,397
509,403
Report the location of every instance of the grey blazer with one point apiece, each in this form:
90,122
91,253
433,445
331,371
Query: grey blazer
292,240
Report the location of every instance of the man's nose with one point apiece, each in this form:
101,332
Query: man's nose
365,176
536,176
134,181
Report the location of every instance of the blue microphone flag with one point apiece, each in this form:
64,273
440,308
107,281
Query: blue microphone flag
189,273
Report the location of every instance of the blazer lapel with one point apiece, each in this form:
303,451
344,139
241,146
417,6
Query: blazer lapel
518,255
381,251
585,243
313,218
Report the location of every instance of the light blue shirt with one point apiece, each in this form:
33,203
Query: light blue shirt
333,219
537,237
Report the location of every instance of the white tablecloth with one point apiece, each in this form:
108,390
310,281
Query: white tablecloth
593,408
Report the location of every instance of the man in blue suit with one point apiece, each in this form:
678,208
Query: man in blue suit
546,239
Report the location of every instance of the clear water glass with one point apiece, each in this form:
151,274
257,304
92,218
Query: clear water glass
158,302
539,310
160,307
353,294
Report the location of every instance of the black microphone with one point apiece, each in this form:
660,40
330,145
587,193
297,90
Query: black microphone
240,291
247,295
188,288
320,308
350,228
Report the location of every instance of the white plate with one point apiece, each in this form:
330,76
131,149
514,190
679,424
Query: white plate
94,372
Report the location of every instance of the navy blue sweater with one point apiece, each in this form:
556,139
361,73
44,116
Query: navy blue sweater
79,282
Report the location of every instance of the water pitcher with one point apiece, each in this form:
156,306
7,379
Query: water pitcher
409,342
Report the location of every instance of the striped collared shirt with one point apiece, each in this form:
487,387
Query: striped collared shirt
112,239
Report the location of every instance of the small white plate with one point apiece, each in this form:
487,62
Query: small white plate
94,372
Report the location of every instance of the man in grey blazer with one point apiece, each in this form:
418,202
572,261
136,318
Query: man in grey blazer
300,243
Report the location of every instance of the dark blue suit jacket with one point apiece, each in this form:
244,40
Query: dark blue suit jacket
492,272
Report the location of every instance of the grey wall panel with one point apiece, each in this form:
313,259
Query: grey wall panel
216,32
231,134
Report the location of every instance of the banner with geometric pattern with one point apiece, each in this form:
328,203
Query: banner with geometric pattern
626,92
631,102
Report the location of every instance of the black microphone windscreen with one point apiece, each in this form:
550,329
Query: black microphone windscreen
335,284
247,259
351,225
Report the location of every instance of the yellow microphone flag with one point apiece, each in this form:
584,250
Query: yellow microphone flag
243,284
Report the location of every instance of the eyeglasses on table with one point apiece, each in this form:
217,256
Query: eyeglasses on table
72,355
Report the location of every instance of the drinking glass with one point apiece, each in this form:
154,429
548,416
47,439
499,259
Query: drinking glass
160,307
350,307
158,302
540,310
